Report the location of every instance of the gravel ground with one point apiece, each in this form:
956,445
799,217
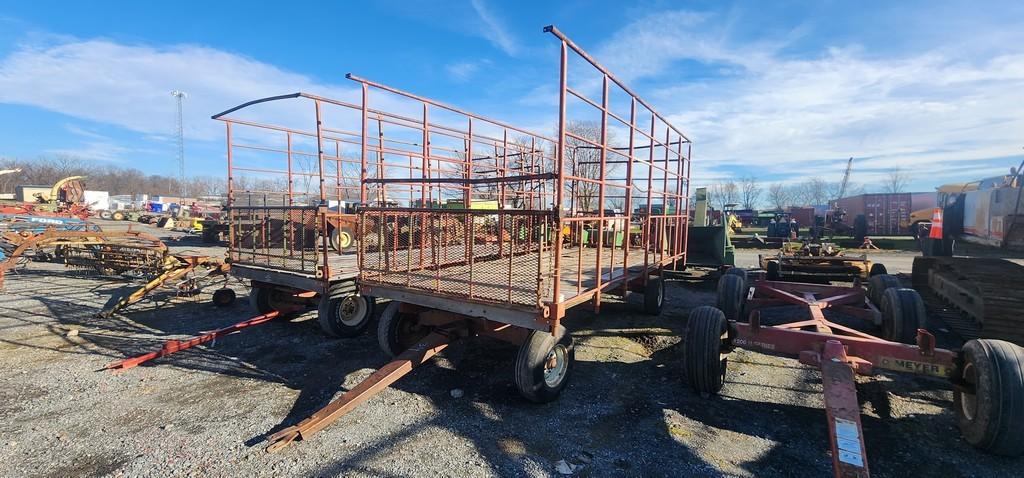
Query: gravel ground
626,412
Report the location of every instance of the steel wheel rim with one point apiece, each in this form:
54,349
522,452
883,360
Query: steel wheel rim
351,310
556,364
344,239
969,401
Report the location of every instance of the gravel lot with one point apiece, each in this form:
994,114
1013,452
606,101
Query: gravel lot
626,412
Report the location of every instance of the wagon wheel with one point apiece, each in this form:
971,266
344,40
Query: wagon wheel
265,299
732,294
903,313
223,297
397,331
704,350
342,239
654,296
343,312
989,400
878,284
544,364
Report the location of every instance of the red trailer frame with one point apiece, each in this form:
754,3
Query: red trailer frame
839,352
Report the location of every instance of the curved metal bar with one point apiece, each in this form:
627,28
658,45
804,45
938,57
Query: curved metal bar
253,102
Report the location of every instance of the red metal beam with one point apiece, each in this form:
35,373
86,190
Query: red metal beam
172,346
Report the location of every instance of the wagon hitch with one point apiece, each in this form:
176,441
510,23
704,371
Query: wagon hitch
414,356
172,346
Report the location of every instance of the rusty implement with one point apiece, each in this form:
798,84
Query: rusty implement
176,267
115,252
172,346
414,356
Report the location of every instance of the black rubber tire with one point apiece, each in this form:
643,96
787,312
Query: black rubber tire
903,313
104,214
654,296
531,365
732,296
330,312
772,271
335,239
739,271
992,418
259,299
397,331
224,297
877,285
877,269
703,360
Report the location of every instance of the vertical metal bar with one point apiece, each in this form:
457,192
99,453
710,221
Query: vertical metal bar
629,192
600,193
291,178
362,149
686,230
650,186
560,181
321,232
232,215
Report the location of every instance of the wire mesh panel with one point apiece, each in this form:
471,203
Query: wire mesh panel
270,236
500,257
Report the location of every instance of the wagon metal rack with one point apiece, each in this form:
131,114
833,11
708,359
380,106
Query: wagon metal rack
292,189
474,227
986,375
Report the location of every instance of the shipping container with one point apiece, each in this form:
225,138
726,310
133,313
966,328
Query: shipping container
886,214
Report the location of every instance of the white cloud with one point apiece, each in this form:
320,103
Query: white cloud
925,111
493,30
129,85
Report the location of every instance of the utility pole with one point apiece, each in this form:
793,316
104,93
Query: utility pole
180,96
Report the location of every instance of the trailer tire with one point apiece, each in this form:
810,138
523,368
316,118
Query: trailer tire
117,216
739,271
732,296
224,297
903,313
877,285
877,269
104,214
703,344
343,312
772,271
544,364
397,331
992,418
654,296
342,239
259,299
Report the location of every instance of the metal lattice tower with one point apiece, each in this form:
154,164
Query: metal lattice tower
180,96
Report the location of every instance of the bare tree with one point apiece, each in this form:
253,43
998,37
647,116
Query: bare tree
582,159
720,194
812,192
779,195
750,192
897,182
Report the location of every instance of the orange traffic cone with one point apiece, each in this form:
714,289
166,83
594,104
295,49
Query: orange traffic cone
936,231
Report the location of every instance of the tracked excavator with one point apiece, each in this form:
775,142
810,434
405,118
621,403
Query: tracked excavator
982,297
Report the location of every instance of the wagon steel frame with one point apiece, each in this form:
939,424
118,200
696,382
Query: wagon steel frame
450,235
838,351
524,265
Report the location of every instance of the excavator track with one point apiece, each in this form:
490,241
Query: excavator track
988,293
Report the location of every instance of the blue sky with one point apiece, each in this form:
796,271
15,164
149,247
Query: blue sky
784,90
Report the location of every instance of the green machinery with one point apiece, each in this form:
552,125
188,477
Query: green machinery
708,245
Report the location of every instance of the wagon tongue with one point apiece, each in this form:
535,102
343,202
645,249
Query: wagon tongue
404,363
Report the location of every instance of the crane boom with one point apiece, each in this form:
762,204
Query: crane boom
846,179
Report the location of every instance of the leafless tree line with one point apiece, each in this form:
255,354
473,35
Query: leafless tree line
45,171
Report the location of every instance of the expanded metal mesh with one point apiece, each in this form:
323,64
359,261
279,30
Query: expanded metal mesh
502,257
277,237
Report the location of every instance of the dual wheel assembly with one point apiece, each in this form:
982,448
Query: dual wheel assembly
987,379
342,312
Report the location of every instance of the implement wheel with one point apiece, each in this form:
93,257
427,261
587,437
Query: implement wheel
654,296
117,216
342,239
990,405
903,313
878,284
704,357
397,331
544,364
343,312
877,269
772,271
732,295
223,297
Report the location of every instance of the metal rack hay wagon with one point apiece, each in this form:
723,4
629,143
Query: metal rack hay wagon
986,375
293,186
473,227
